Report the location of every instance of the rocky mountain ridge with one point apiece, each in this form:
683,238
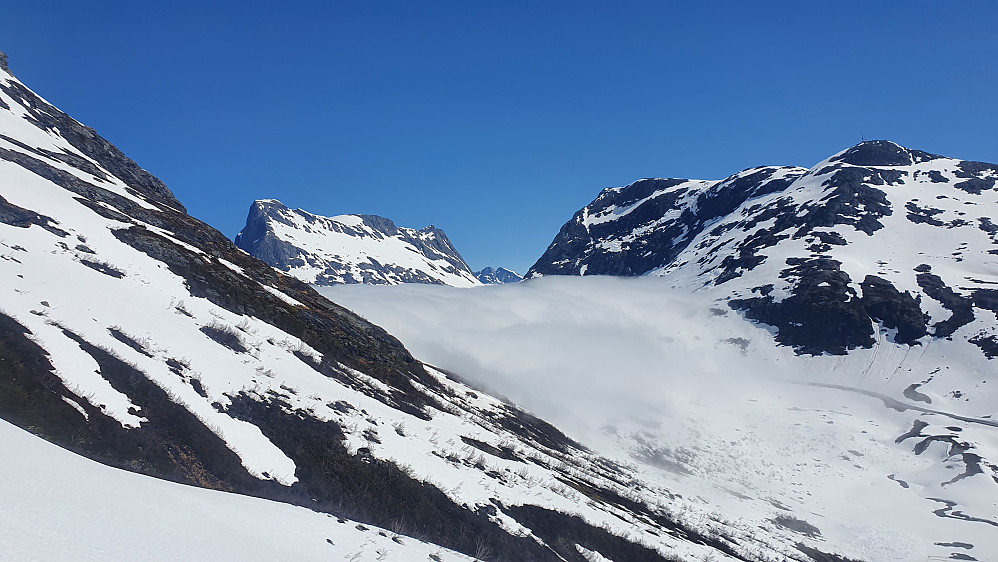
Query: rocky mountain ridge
349,249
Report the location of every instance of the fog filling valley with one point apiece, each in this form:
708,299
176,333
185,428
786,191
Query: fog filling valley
700,399
577,351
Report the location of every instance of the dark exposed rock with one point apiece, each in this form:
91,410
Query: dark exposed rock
854,201
65,156
986,299
988,344
948,511
18,216
496,451
900,311
926,215
960,307
824,315
979,176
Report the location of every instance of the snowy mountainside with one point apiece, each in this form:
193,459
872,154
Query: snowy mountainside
137,336
877,235
497,276
633,229
350,248
103,513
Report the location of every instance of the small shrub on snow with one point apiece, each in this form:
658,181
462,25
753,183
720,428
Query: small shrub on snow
225,335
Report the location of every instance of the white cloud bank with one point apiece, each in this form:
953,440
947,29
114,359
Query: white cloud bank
632,367
565,348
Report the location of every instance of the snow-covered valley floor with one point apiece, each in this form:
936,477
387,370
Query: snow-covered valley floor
703,403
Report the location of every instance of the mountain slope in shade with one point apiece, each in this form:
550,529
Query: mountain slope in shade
875,237
350,248
135,335
498,276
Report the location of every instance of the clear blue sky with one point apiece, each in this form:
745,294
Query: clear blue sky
496,121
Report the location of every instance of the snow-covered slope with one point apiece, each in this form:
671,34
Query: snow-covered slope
135,335
498,276
350,248
60,506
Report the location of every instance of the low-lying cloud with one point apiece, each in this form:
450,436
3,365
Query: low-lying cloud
569,348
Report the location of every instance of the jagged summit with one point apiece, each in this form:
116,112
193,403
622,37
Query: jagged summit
498,276
350,248
3,62
876,234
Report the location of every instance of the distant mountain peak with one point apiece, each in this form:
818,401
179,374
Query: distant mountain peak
498,276
347,249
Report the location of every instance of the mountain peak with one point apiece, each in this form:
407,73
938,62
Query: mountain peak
3,62
350,248
498,276
882,153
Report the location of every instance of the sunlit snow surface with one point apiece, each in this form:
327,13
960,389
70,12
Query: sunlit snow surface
60,506
707,406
